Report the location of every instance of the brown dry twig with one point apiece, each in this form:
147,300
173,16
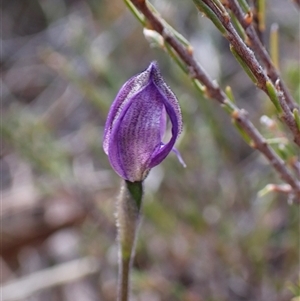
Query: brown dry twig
213,91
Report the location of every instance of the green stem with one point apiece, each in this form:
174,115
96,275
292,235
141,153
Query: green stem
124,274
128,211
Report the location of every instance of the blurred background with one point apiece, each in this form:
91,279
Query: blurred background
205,234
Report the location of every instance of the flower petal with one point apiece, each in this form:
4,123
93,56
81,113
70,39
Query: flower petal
136,134
136,125
156,77
132,86
163,123
172,108
163,150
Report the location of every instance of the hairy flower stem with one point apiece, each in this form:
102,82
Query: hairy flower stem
128,212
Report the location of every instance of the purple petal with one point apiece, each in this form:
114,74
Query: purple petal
132,86
162,151
172,108
167,92
163,123
136,134
136,125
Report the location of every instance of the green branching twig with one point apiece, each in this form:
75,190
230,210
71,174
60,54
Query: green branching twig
260,50
246,55
213,91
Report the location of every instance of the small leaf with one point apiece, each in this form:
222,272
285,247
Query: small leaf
243,64
273,96
229,94
274,45
297,118
242,132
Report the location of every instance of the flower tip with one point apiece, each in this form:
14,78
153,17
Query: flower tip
182,162
179,157
153,67
153,64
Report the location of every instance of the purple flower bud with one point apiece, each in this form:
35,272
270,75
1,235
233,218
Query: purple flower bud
136,124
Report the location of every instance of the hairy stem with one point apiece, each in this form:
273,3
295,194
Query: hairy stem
128,211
